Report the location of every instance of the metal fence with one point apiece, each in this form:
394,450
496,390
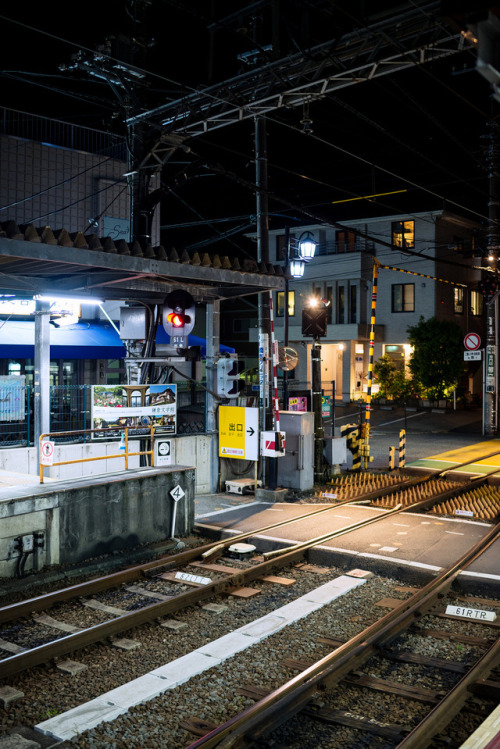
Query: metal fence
71,410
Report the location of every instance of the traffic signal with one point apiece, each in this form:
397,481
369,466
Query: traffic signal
178,314
314,320
229,384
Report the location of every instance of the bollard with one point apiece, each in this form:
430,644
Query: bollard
392,451
402,447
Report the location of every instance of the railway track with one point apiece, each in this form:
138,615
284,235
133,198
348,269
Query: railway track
313,696
148,592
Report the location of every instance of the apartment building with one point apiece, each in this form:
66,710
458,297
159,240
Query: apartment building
418,256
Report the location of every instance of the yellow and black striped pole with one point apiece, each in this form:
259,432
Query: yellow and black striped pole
402,448
376,266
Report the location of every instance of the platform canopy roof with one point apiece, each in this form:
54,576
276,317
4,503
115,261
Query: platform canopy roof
42,261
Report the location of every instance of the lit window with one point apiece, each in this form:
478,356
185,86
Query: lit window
346,241
403,297
280,307
458,300
476,303
403,234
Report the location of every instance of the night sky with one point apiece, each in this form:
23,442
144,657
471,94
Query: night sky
418,133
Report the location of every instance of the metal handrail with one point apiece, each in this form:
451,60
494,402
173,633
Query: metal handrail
125,454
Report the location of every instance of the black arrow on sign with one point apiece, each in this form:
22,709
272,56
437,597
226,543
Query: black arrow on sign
251,431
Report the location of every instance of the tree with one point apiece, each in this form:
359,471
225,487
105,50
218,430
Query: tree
437,360
384,371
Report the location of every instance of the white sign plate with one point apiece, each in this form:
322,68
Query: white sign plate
177,493
192,578
472,355
47,453
485,616
163,455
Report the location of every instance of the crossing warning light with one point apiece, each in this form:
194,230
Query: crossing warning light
229,384
315,319
178,313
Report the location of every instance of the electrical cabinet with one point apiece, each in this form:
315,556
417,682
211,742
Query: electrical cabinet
296,468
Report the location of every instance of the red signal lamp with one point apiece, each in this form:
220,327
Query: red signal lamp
178,319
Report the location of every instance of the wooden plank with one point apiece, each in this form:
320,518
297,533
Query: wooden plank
244,592
313,568
147,593
98,606
406,657
297,664
389,603
170,576
486,688
331,642
443,634
477,600
253,692
345,718
279,580
392,687
11,647
48,621
215,567
197,726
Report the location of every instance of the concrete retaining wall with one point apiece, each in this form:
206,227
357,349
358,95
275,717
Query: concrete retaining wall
84,518
190,450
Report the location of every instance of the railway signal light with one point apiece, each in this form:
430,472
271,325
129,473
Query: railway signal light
315,319
178,314
229,384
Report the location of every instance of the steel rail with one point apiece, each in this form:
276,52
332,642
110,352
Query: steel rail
280,705
40,603
423,504
75,641
443,713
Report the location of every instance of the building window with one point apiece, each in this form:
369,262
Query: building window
280,306
458,300
353,300
403,234
403,297
329,309
341,305
346,241
476,303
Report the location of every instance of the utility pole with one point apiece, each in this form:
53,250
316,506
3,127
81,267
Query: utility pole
317,400
490,411
263,257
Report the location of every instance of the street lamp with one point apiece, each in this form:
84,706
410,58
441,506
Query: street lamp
297,254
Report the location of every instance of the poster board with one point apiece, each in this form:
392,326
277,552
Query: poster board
136,407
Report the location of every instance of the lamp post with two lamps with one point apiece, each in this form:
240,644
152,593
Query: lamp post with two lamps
296,257
297,254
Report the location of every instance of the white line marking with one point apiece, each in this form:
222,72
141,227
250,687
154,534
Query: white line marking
229,508
386,423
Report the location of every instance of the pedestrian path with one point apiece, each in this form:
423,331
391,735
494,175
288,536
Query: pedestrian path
470,459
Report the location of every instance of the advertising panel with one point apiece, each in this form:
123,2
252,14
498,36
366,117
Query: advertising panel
135,406
12,397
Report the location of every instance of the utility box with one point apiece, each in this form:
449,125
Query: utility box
335,450
296,468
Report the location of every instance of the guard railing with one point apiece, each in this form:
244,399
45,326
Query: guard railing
46,446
